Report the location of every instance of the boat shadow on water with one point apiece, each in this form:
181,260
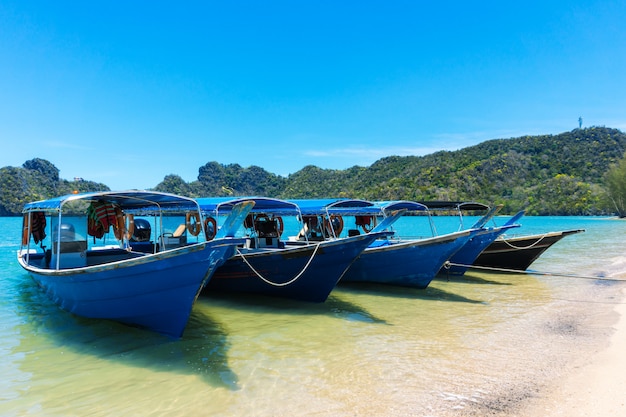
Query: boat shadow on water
473,278
202,351
333,307
428,293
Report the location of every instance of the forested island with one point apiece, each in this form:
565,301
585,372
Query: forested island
581,172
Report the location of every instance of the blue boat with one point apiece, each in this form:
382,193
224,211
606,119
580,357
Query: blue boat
410,262
301,267
136,257
463,259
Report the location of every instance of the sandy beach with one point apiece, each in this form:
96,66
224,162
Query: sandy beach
548,342
597,388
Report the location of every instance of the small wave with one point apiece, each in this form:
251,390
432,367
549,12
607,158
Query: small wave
616,267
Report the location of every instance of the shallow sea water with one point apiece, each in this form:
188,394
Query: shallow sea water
483,344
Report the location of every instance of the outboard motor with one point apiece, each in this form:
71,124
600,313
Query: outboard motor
68,234
142,231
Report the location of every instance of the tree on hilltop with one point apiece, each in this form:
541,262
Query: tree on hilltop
615,180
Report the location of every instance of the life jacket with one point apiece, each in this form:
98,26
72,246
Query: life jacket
106,214
94,227
100,217
363,220
38,226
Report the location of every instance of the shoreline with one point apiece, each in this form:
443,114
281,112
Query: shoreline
595,388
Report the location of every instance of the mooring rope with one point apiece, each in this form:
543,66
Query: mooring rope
284,284
447,265
524,247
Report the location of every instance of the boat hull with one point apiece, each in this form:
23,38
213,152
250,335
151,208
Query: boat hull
463,259
155,291
518,253
409,263
304,273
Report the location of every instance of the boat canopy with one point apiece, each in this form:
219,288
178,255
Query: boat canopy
340,206
454,205
387,206
223,205
134,200
461,207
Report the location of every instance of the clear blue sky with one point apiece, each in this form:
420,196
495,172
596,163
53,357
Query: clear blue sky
127,92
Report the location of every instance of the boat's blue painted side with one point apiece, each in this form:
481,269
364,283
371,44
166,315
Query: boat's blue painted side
466,255
410,263
152,291
155,289
306,272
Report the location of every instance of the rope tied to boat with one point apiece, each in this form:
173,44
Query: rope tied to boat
524,247
449,264
278,284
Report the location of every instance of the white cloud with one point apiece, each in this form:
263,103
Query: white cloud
369,152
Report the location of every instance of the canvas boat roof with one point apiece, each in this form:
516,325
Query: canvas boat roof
356,207
132,200
401,204
216,205
454,205
337,206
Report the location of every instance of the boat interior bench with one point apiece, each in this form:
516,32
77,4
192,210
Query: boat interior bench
37,259
102,256
264,242
80,258
144,247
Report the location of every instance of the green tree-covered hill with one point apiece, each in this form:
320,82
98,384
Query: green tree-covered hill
36,179
560,174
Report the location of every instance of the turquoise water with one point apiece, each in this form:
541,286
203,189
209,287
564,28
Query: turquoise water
368,351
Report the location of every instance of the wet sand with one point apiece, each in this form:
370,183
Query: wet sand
596,388
565,361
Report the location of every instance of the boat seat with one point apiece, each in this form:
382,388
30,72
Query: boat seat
176,239
69,246
266,242
180,230
266,228
144,247
72,254
99,257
